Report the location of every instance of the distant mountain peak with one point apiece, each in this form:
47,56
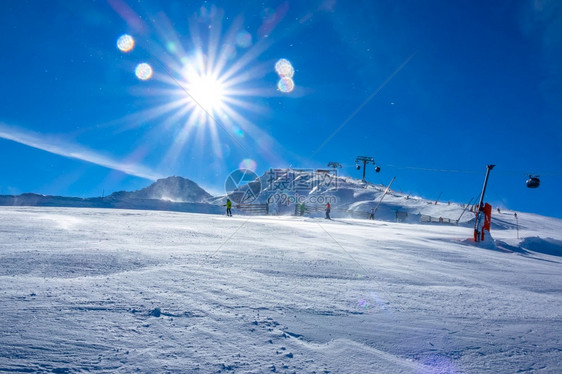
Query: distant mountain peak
175,189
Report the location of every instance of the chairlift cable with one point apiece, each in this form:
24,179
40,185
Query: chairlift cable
501,172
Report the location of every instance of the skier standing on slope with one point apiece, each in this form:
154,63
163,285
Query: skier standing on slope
328,207
372,213
228,208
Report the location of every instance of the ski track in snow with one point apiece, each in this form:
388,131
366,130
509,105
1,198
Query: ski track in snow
122,291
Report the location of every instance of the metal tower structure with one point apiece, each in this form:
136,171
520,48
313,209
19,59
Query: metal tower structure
366,160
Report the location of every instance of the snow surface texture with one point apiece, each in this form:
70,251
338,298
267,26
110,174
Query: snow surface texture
122,291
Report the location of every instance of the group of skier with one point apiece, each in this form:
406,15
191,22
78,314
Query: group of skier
302,209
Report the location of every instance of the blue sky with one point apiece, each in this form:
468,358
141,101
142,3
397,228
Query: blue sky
433,90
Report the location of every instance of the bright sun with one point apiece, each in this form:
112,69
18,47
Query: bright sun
207,91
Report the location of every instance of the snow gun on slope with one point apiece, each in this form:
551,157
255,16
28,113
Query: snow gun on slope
483,212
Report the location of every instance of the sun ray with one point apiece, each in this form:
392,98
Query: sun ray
229,42
181,139
137,119
249,57
244,104
213,44
206,86
196,39
173,44
269,148
215,141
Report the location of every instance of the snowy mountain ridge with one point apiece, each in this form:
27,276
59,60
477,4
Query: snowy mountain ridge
349,197
174,189
169,194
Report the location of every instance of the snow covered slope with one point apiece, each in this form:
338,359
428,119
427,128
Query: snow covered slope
120,291
349,197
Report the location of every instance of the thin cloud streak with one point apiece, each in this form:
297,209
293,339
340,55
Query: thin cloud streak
65,149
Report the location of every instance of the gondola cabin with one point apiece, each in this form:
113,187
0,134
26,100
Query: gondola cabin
533,181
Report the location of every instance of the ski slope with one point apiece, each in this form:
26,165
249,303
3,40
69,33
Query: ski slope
121,291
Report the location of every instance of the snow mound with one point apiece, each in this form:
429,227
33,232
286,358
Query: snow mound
547,246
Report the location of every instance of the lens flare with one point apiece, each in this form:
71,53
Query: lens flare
284,68
364,304
286,85
268,15
239,132
125,43
249,164
223,151
171,47
244,39
438,363
230,51
143,71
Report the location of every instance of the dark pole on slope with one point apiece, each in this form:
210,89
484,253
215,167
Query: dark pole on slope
464,210
517,223
478,209
383,195
488,169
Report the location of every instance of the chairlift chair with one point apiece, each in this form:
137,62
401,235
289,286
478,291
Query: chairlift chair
533,181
